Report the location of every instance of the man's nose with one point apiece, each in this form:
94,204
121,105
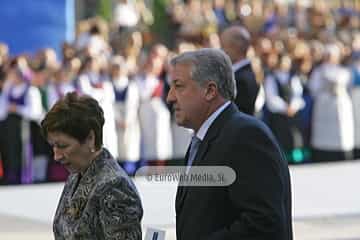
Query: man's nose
170,97
58,155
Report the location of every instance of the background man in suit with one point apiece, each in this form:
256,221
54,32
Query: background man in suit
235,41
257,205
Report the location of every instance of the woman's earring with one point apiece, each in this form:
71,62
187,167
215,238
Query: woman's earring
92,150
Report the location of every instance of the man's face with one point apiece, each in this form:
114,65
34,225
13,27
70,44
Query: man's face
75,156
187,97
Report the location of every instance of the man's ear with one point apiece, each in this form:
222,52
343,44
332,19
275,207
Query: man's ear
90,139
211,91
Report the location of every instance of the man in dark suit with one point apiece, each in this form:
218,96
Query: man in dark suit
235,41
257,205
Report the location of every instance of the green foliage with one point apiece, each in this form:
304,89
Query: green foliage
104,9
160,25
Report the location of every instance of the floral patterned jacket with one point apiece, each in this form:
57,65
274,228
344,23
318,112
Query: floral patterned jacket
102,204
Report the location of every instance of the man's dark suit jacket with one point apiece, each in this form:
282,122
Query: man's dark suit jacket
257,205
247,89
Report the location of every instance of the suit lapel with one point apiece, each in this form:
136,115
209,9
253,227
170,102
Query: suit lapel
180,189
210,136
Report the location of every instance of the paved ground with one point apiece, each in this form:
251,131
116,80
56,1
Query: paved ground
13,228
331,228
318,190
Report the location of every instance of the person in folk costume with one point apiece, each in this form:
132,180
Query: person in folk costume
59,86
332,122
2,127
154,114
93,41
61,83
355,97
92,81
41,149
283,91
302,64
126,106
21,104
44,64
4,56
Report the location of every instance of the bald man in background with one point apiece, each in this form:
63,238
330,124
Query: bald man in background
235,41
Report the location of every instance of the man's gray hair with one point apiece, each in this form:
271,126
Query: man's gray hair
210,64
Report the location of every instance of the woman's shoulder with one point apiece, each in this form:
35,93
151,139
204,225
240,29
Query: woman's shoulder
119,188
111,175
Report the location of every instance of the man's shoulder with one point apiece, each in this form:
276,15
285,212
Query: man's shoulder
243,124
246,77
243,120
245,70
243,130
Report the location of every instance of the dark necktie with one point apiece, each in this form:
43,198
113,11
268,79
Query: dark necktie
194,146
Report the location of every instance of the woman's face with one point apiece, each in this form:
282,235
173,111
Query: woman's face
75,156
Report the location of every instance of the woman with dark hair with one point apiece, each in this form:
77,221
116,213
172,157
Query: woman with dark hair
99,200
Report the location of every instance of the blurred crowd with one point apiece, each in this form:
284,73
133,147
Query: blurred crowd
305,56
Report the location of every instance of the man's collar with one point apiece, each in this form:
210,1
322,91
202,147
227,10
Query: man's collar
206,125
239,64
